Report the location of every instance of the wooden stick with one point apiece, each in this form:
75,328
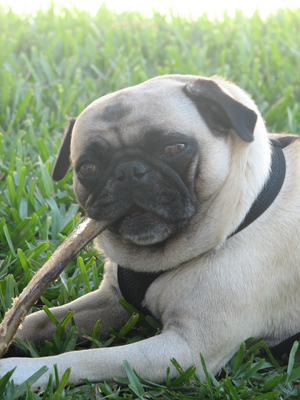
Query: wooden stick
81,236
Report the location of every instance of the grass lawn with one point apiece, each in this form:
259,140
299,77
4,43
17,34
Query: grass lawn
52,66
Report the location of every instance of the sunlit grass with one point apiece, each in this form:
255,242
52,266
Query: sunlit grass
52,66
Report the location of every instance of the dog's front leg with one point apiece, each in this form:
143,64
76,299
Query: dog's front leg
150,358
102,304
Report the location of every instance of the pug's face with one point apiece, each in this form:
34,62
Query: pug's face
141,157
136,166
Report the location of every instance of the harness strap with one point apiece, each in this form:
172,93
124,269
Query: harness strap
271,188
134,285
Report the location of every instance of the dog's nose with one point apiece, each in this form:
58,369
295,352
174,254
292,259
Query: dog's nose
131,170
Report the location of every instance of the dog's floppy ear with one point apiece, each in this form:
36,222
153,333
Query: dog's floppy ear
220,111
63,162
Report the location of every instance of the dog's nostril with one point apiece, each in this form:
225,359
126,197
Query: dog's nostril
119,175
130,170
139,171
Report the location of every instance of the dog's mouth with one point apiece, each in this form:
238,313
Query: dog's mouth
141,226
133,216
134,212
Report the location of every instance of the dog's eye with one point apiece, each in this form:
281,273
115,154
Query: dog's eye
88,170
173,150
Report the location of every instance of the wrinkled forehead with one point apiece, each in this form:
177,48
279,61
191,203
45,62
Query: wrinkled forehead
121,118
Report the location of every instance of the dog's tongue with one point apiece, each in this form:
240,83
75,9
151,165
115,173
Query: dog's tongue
135,211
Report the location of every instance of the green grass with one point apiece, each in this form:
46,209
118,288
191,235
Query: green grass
52,65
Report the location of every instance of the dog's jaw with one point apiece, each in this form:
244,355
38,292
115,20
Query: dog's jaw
142,227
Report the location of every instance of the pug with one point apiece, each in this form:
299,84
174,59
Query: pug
205,205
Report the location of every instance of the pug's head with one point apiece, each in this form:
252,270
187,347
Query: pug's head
154,158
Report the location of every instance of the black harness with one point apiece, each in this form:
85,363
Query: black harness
134,285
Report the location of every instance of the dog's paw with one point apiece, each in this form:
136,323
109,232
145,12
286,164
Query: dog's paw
25,368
